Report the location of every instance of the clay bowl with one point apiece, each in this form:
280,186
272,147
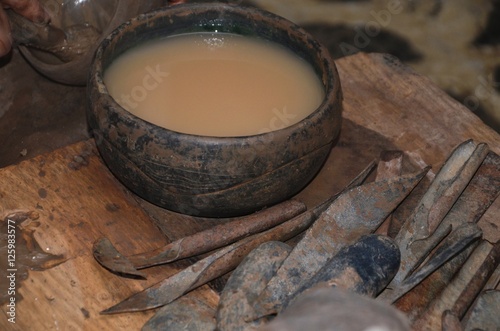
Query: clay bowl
212,176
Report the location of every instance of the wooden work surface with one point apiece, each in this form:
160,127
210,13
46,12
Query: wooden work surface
77,200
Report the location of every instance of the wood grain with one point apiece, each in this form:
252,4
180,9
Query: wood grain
81,201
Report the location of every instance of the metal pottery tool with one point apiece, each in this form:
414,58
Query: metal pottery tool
475,184
226,259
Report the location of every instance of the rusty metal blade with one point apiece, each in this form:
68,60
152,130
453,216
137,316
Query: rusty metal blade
480,193
110,258
484,315
390,165
425,247
209,268
416,301
471,290
354,213
457,241
221,235
494,281
220,262
445,189
477,197
245,283
464,287
364,267
186,313
453,244
201,242
173,287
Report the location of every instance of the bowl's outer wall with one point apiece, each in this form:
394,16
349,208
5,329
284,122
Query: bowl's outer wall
211,176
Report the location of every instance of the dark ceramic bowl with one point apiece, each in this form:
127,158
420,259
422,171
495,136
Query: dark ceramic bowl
212,176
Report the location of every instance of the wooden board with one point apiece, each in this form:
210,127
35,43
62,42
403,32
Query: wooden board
78,201
386,106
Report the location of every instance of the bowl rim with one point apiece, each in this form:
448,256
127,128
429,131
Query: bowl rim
330,79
